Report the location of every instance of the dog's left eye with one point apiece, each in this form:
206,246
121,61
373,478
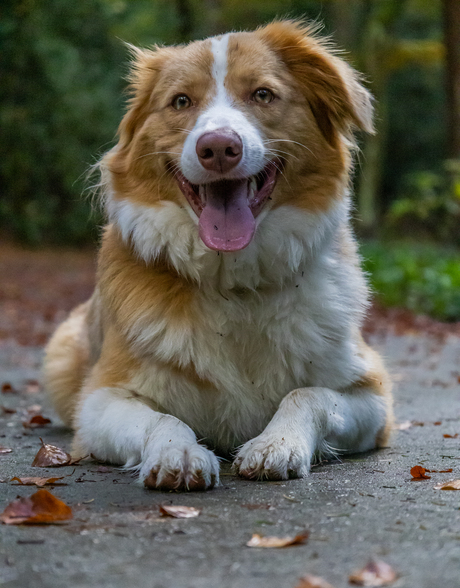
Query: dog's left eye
263,96
181,101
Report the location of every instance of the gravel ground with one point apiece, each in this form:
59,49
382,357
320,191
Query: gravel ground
364,506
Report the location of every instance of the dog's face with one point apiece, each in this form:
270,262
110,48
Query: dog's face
235,126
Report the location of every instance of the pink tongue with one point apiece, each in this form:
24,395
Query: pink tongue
226,222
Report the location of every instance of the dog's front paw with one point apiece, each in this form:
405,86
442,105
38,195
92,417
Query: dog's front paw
180,467
273,457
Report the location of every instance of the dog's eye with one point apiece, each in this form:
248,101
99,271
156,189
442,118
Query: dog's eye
181,101
263,96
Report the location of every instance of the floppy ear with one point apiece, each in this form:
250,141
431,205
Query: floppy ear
333,89
144,70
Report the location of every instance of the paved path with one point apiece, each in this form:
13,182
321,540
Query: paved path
364,506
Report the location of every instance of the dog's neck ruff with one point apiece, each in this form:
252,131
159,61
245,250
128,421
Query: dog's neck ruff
286,240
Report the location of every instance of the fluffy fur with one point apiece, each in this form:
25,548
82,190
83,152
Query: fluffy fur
256,350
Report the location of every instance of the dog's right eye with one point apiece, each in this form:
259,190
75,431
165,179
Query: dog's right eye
181,101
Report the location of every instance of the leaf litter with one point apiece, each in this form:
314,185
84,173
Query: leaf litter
179,512
310,581
40,508
36,421
376,573
50,456
40,482
259,541
452,485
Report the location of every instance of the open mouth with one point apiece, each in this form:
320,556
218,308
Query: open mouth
227,209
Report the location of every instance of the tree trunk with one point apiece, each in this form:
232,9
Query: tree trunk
452,42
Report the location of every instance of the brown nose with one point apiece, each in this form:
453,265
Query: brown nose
219,150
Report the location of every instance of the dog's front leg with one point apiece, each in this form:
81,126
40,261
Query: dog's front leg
313,421
116,426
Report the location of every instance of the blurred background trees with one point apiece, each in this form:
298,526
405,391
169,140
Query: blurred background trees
61,97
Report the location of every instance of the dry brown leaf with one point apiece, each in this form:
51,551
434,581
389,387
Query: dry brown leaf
40,482
310,581
403,426
376,573
179,512
447,436
50,456
7,388
36,421
40,508
444,471
452,485
259,541
437,423
418,473
5,450
7,410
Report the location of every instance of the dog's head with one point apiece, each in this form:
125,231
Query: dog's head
235,126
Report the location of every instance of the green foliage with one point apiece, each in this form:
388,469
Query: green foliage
422,278
60,101
431,206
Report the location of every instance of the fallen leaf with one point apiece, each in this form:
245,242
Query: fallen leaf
40,508
34,409
437,423
5,450
259,541
179,512
452,485
445,471
447,436
32,387
376,573
418,473
403,426
7,410
36,421
50,456
7,388
40,482
310,581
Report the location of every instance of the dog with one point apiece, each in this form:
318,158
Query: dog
229,298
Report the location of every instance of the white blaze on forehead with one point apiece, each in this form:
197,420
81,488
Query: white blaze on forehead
222,113
219,47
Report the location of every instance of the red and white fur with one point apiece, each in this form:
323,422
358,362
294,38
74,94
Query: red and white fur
246,340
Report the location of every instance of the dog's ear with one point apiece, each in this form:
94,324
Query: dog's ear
333,89
145,65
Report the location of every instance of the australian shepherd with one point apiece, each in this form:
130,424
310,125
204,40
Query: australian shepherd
229,299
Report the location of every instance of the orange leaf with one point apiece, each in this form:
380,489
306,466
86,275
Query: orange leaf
179,512
376,573
310,581
259,541
40,482
418,473
50,456
452,485
447,436
40,508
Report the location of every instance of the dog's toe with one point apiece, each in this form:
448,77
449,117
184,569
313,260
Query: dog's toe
188,468
272,458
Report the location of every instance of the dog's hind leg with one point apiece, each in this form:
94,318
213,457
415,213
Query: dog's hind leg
115,425
67,361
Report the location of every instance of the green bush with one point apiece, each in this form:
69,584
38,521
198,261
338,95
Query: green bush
422,278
